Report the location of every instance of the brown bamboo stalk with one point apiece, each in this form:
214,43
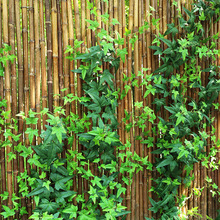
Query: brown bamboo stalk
20,88
130,200
140,92
55,52
72,78
79,81
111,5
32,68
65,44
218,126
60,55
43,62
97,2
14,88
49,54
26,78
136,113
83,24
149,66
216,123
7,98
37,66
2,150
88,31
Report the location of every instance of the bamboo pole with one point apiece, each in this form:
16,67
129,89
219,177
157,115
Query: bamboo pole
37,66
7,98
140,92
43,62
130,196
72,79
60,55
49,54
83,24
136,110
79,81
2,150
11,5
24,7
88,31
149,66
32,57
65,44
20,89
55,53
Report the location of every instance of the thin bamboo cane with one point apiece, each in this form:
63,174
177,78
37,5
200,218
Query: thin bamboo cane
37,66
2,152
49,54
55,53
43,62
60,55
65,44
106,11
216,123
83,38
11,5
72,78
111,5
218,126
98,10
79,81
88,31
140,64
26,80
7,98
127,201
149,66
130,104
20,89
136,110
83,24
32,68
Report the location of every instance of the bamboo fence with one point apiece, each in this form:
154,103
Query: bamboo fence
39,32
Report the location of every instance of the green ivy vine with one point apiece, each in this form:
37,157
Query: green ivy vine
182,138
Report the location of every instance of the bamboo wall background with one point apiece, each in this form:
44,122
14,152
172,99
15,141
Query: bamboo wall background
39,32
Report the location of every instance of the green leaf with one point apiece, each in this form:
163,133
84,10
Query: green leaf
122,53
114,21
72,210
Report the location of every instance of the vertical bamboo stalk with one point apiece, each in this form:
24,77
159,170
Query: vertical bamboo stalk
88,31
79,81
13,88
2,150
20,88
140,64
55,53
72,78
149,66
32,57
65,44
111,5
49,54
60,55
83,24
37,66
7,98
136,113
130,200
43,62
97,2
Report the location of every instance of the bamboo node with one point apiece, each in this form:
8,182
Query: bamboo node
24,30
49,82
26,88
